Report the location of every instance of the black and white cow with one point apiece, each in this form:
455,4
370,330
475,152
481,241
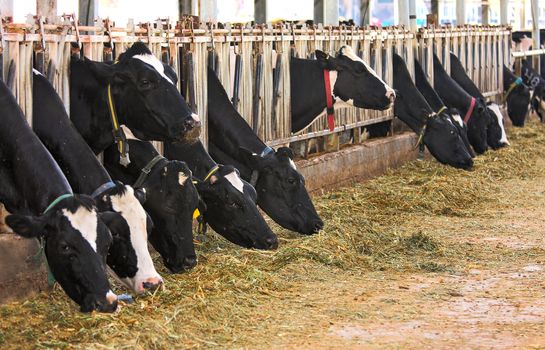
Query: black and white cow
352,82
435,102
144,96
280,187
129,257
171,199
537,83
454,96
517,97
436,130
230,202
33,187
496,135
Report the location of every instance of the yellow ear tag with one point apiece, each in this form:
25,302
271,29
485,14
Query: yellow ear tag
196,214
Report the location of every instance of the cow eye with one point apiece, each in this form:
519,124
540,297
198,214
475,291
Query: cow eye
291,180
234,205
144,82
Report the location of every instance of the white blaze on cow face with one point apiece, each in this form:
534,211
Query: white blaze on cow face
292,164
195,117
36,72
235,180
458,119
128,206
155,63
348,52
86,222
496,109
182,178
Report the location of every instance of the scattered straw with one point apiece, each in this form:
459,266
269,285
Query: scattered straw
373,226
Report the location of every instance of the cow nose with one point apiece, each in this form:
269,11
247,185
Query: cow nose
189,262
318,225
272,243
152,283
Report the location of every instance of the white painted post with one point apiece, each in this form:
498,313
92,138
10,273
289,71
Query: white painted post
326,12
208,10
47,9
403,12
412,15
460,12
535,34
504,11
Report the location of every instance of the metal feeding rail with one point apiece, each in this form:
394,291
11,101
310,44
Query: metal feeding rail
253,63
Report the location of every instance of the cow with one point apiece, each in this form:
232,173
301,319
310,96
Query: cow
280,187
138,91
129,257
229,201
171,199
435,102
475,114
34,189
537,83
435,130
516,96
351,82
496,135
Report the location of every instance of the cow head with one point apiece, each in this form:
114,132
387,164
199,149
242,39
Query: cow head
129,257
517,104
356,83
281,191
232,212
496,136
445,142
76,243
146,97
538,101
171,199
477,128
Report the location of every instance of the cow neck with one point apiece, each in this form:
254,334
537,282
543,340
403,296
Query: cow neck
197,159
307,92
36,175
458,73
78,162
227,128
425,88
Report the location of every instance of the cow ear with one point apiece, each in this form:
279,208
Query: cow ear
249,158
286,152
26,225
140,194
101,71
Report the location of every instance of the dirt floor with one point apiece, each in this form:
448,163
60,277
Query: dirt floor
425,257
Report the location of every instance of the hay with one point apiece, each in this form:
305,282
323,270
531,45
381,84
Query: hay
373,226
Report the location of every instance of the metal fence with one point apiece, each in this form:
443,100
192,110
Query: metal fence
483,50
252,63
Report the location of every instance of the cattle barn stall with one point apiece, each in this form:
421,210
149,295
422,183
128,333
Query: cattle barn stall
252,62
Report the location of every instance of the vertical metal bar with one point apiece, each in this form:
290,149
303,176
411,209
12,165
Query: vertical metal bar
257,92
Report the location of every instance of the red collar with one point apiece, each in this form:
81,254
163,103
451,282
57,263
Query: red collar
329,102
470,110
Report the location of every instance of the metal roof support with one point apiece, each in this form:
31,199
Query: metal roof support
260,11
485,6
326,12
188,7
403,12
88,11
